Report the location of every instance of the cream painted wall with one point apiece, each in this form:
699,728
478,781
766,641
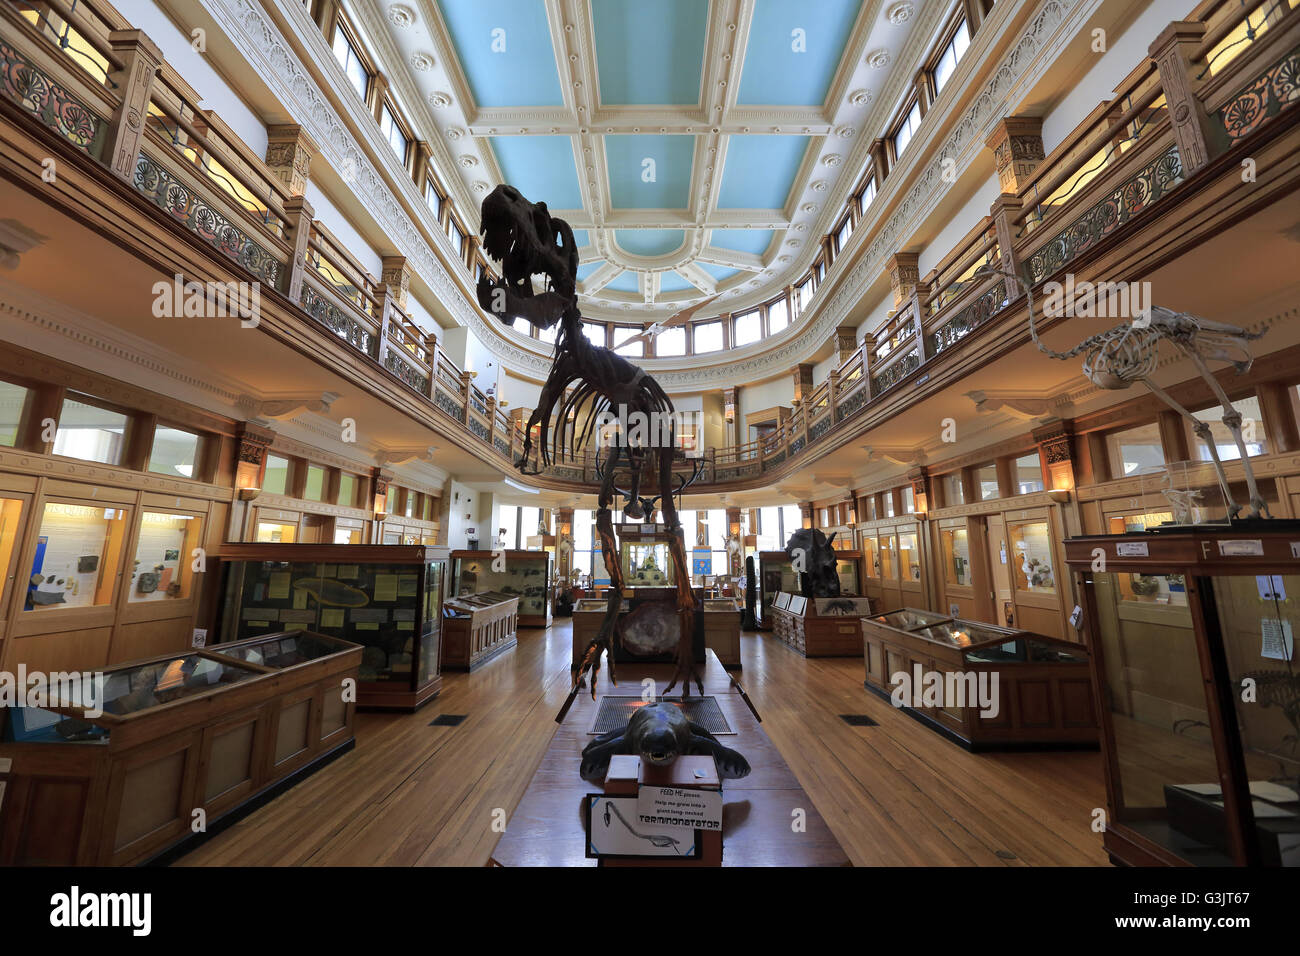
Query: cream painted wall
342,229
198,72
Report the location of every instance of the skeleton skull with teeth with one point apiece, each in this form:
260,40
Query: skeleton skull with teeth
527,242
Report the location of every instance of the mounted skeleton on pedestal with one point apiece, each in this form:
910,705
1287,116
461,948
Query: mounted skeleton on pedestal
1127,354
597,384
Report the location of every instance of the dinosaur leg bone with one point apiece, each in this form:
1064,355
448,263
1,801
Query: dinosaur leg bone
1202,431
1232,418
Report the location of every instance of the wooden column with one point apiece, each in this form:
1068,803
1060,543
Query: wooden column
1055,440
298,218
1017,145
878,162
140,61
1172,50
1173,436
289,152
422,154
1004,211
731,414
396,274
803,382
868,345
904,273
846,342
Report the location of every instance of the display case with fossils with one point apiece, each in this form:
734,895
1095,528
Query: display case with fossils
526,575
385,597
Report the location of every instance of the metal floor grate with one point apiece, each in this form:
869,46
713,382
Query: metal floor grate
447,720
615,712
858,720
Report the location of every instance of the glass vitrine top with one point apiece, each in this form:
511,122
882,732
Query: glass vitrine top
959,633
910,619
130,690
282,650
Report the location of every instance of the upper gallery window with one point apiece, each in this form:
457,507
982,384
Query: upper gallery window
946,64
1252,431
749,327
708,337
90,432
432,197
174,451
671,342
802,293
347,490
595,332
986,480
349,58
1029,474
621,344
868,193
1135,450
843,233
276,479
907,129
392,130
778,315
12,400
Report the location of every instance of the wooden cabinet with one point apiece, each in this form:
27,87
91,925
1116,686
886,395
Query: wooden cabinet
385,597
982,686
1192,634
183,739
480,627
820,627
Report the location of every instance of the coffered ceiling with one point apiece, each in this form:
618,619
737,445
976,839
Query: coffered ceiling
697,147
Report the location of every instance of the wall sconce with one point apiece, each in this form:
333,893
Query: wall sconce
381,505
922,504
248,480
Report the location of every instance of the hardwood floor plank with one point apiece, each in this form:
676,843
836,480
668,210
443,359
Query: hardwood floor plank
896,794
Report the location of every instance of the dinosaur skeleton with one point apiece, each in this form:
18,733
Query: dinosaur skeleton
1127,354
588,385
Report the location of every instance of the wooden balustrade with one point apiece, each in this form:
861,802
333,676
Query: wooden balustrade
1154,132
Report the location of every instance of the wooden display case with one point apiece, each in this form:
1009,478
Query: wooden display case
820,627
720,618
526,575
1043,690
1192,637
207,730
478,627
385,597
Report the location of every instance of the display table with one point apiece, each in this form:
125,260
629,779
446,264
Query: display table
819,627
1043,689
207,730
478,627
721,618
546,828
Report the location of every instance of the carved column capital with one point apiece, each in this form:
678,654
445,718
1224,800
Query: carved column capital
1017,145
289,152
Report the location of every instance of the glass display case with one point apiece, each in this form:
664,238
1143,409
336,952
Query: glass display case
981,685
112,774
78,555
955,544
526,575
387,598
1032,566
775,575
1192,637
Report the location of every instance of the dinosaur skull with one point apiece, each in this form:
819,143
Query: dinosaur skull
527,242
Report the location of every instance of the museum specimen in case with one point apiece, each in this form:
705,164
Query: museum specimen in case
209,729
385,597
1192,638
1043,689
527,575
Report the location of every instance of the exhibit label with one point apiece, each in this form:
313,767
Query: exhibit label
680,807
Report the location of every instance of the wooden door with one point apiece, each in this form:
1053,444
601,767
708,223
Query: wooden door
999,571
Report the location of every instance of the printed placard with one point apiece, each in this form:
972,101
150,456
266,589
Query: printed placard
1132,549
1278,643
1241,547
679,807
614,831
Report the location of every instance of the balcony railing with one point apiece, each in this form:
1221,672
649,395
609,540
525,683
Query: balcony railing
81,72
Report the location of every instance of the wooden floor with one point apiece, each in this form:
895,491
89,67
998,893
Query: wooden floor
896,794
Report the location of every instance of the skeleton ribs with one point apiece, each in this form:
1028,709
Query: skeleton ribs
586,384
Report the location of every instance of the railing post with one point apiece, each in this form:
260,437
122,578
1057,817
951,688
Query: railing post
140,62
832,386
384,315
298,218
1004,211
1172,51
431,356
466,383
868,346
920,300
492,419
